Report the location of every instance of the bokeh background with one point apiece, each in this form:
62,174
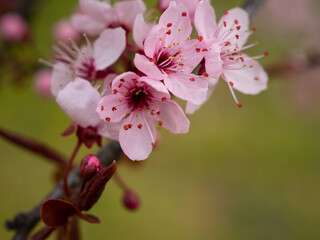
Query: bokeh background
239,174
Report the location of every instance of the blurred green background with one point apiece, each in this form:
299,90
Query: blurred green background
239,174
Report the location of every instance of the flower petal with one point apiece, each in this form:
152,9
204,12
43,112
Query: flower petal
107,84
213,63
111,108
159,90
100,11
147,67
128,10
248,80
138,140
109,130
79,100
205,20
173,117
141,30
108,47
85,24
61,76
187,87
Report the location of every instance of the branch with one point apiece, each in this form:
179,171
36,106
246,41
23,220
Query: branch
24,222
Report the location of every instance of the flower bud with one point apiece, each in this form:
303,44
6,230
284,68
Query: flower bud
64,30
13,27
42,81
131,200
90,165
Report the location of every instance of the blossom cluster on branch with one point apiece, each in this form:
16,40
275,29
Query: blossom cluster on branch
158,61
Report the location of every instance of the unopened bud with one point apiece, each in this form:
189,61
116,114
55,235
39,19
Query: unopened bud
64,30
42,81
131,200
13,27
89,166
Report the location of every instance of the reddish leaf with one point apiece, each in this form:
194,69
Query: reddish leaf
92,192
55,212
42,234
69,130
89,218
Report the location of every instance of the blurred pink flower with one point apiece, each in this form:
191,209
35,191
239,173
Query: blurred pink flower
42,81
191,5
13,27
225,41
137,102
170,55
98,15
64,30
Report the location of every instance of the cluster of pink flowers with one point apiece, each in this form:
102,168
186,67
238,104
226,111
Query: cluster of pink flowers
121,82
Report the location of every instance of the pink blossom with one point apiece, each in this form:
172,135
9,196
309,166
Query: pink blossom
170,55
137,102
225,42
190,4
88,61
13,27
64,30
79,101
42,81
98,15
140,30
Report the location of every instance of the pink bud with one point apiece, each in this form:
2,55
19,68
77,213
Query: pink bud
13,27
42,81
64,30
131,200
89,166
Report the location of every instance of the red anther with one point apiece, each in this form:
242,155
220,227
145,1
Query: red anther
198,49
200,38
168,32
121,80
167,72
139,109
226,13
181,64
256,78
184,14
153,144
163,99
224,23
102,108
134,80
160,123
169,24
205,75
254,29
153,112
231,58
237,36
238,27
266,54
192,79
114,108
204,50
236,21
126,127
241,58
115,91
239,105
130,125
179,51
140,126
227,43
158,112
120,85
107,119
231,84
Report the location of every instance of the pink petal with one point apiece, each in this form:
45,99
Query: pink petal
147,67
173,117
137,142
187,87
79,100
176,20
152,43
141,30
85,24
159,89
107,84
109,130
213,62
111,108
205,20
124,81
108,47
235,17
190,4
248,80
61,76
99,11
128,10
191,108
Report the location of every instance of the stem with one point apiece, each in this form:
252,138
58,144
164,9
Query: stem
66,173
120,182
